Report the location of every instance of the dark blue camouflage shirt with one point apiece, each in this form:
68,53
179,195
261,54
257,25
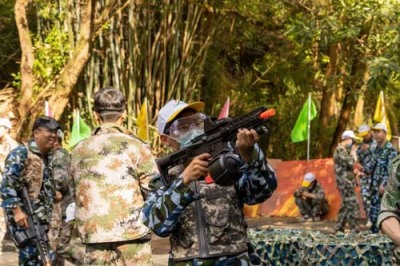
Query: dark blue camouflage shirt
26,166
164,205
383,157
366,158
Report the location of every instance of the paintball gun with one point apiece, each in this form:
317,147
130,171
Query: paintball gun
218,140
35,233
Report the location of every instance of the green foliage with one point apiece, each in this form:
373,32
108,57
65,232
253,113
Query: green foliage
263,52
9,51
50,54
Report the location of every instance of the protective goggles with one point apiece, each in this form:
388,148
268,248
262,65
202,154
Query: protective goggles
182,125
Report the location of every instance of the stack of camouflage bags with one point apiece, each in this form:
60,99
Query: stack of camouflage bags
304,247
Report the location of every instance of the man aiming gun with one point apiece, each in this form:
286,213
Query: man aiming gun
204,220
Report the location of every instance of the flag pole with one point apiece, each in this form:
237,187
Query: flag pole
308,126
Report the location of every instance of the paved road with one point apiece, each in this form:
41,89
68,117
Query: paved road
161,245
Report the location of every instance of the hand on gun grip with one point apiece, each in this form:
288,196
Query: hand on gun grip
196,169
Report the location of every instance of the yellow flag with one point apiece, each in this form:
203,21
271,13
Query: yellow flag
380,115
142,122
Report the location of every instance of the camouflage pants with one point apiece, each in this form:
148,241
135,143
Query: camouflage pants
29,255
239,260
374,210
312,207
375,203
349,209
3,227
66,251
60,236
365,183
119,253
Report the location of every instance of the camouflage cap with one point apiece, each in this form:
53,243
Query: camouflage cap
46,122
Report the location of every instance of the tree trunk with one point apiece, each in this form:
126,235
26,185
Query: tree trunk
350,99
60,90
326,101
27,57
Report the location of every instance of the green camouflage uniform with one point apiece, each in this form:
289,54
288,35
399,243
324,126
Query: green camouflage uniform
205,222
111,171
26,166
311,207
390,206
7,143
345,181
60,230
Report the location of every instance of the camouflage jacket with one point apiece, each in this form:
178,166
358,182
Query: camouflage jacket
316,189
344,163
26,166
366,158
6,145
206,220
60,165
390,206
383,156
111,171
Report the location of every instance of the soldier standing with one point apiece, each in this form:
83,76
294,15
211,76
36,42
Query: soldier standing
111,171
61,230
7,143
310,199
383,154
29,166
389,216
344,158
365,157
204,220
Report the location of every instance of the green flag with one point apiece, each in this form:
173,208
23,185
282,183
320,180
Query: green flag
300,130
80,131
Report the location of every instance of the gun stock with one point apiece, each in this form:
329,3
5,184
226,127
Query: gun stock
217,139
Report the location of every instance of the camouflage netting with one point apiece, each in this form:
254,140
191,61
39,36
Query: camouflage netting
304,247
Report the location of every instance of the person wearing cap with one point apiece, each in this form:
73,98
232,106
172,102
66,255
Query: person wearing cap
365,166
389,215
383,155
344,159
111,170
204,220
30,166
7,143
310,199
60,231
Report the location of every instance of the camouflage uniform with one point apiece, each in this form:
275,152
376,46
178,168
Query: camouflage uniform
111,171
345,181
383,156
60,230
26,166
390,206
311,207
205,222
366,159
7,143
